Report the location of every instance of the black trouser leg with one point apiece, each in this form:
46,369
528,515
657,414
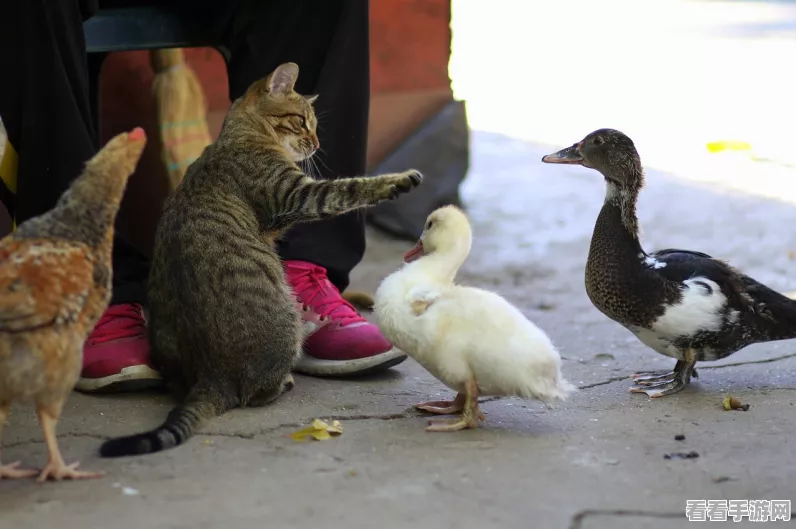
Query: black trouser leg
330,42
45,106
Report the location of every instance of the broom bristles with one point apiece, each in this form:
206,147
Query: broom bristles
181,112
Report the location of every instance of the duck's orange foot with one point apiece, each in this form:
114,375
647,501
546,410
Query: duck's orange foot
58,471
12,471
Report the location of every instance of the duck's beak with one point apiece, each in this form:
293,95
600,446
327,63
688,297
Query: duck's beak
570,155
415,253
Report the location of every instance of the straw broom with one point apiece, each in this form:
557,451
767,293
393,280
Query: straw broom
181,111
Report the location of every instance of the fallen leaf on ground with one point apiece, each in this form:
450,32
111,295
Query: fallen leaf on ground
319,430
733,403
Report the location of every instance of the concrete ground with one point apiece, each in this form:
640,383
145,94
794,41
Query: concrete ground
594,461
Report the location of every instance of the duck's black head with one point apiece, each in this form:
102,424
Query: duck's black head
608,151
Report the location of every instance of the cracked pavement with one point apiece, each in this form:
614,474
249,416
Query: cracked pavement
595,461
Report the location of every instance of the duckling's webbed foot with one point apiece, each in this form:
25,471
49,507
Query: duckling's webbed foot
668,383
443,407
471,413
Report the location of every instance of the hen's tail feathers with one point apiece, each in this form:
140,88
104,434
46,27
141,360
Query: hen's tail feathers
180,425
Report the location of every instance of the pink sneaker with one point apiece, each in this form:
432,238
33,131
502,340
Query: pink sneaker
116,354
338,340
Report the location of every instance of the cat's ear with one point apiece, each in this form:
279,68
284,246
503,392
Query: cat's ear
282,80
311,99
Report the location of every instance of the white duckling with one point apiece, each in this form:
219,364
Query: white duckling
473,341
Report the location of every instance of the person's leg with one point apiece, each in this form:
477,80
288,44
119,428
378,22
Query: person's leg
330,43
44,104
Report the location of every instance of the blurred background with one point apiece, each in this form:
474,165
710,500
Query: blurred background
705,88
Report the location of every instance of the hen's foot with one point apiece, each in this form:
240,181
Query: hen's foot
57,471
12,471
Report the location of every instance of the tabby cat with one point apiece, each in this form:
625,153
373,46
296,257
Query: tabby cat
223,327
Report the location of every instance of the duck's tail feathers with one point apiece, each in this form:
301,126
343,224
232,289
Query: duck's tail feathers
180,425
778,309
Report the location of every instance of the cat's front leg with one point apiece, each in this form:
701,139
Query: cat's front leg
391,185
319,199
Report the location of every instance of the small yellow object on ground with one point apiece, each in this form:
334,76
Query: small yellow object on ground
728,145
733,403
319,430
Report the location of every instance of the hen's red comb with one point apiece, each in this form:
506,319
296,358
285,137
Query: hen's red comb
137,134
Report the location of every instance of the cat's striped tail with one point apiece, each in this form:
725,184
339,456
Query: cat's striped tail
180,425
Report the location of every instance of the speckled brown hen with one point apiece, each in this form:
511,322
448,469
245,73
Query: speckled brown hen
55,281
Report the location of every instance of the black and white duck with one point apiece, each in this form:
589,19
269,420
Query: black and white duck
681,303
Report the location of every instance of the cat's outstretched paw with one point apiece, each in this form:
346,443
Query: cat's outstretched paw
415,177
405,182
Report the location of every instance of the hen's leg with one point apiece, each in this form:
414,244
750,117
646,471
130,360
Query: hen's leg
56,469
11,470
469,417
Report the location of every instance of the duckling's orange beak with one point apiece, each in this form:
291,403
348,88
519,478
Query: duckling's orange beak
415,253
570,155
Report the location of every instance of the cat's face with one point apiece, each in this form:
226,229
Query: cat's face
294,123
289,113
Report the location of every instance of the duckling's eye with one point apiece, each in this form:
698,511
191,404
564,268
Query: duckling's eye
429,224
597,141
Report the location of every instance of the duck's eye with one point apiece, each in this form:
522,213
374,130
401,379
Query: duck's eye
429,224
597,141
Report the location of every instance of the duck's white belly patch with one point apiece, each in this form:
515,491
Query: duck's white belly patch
699,310
656,342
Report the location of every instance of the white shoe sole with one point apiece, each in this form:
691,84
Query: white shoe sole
308,365
133,378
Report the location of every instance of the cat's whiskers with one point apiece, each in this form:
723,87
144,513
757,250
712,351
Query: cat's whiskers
317,159
315,170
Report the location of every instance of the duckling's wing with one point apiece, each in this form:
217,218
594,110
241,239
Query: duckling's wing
420,298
